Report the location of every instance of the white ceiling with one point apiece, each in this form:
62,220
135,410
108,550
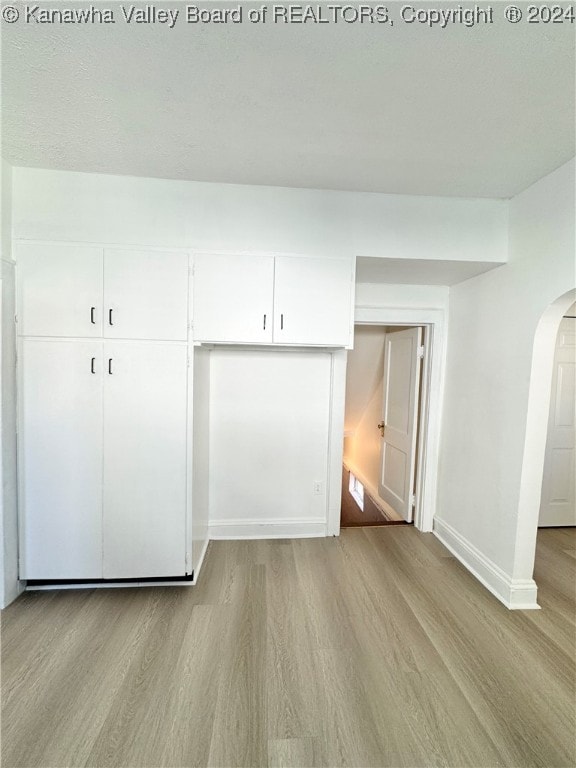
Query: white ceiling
474,112
418,271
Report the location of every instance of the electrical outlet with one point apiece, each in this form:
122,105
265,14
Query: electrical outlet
318,488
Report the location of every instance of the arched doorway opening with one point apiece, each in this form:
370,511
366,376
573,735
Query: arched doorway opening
535,440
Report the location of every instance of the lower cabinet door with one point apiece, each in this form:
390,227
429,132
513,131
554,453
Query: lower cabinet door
144,510
61,459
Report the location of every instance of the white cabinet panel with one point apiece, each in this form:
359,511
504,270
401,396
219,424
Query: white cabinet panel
145,295
61,460
144,459
233,298
59,290
313,301
280,300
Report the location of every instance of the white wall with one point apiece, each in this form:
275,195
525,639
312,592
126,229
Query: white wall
9,585
61,205
402,296
65,206
269,435
493,321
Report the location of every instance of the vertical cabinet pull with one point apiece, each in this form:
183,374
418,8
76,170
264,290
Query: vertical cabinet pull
92,363
93,315
110,366
281,322
264,322
110,317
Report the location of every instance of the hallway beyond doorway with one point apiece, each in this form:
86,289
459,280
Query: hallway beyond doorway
352,516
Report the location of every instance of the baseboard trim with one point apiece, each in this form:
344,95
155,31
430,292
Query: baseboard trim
515,594
267,529
108,585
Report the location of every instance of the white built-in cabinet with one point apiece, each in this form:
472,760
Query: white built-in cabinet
91,292
103,424
113,393
289,300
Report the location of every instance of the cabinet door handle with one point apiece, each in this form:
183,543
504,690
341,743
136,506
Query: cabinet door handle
110,366
92,370
92,315
281,322
264,322
110,317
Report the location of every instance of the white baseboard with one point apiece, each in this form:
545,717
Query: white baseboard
516,594
108,585
267,529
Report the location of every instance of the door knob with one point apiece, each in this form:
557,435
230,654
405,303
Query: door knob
382,427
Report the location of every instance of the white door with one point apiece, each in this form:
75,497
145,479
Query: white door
233,298
558,502
145,295
313,301
145,386
60,290
61,460
400,419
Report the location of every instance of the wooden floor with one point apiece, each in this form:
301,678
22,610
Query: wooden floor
373,649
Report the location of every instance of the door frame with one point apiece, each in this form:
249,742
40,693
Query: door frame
433,322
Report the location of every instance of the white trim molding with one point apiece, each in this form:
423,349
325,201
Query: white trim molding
339,360
516,594
435,323
268,529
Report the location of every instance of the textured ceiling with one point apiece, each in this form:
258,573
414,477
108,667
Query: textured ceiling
479,112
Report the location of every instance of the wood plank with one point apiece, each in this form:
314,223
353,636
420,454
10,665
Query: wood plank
291,753
239,736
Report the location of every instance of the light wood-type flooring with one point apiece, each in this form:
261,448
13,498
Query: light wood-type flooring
372,649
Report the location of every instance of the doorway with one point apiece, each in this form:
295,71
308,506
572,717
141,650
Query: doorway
558,498
384,413
433,320
531,480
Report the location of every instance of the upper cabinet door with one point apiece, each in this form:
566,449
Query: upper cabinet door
313,301
233,298
59,290
145,295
